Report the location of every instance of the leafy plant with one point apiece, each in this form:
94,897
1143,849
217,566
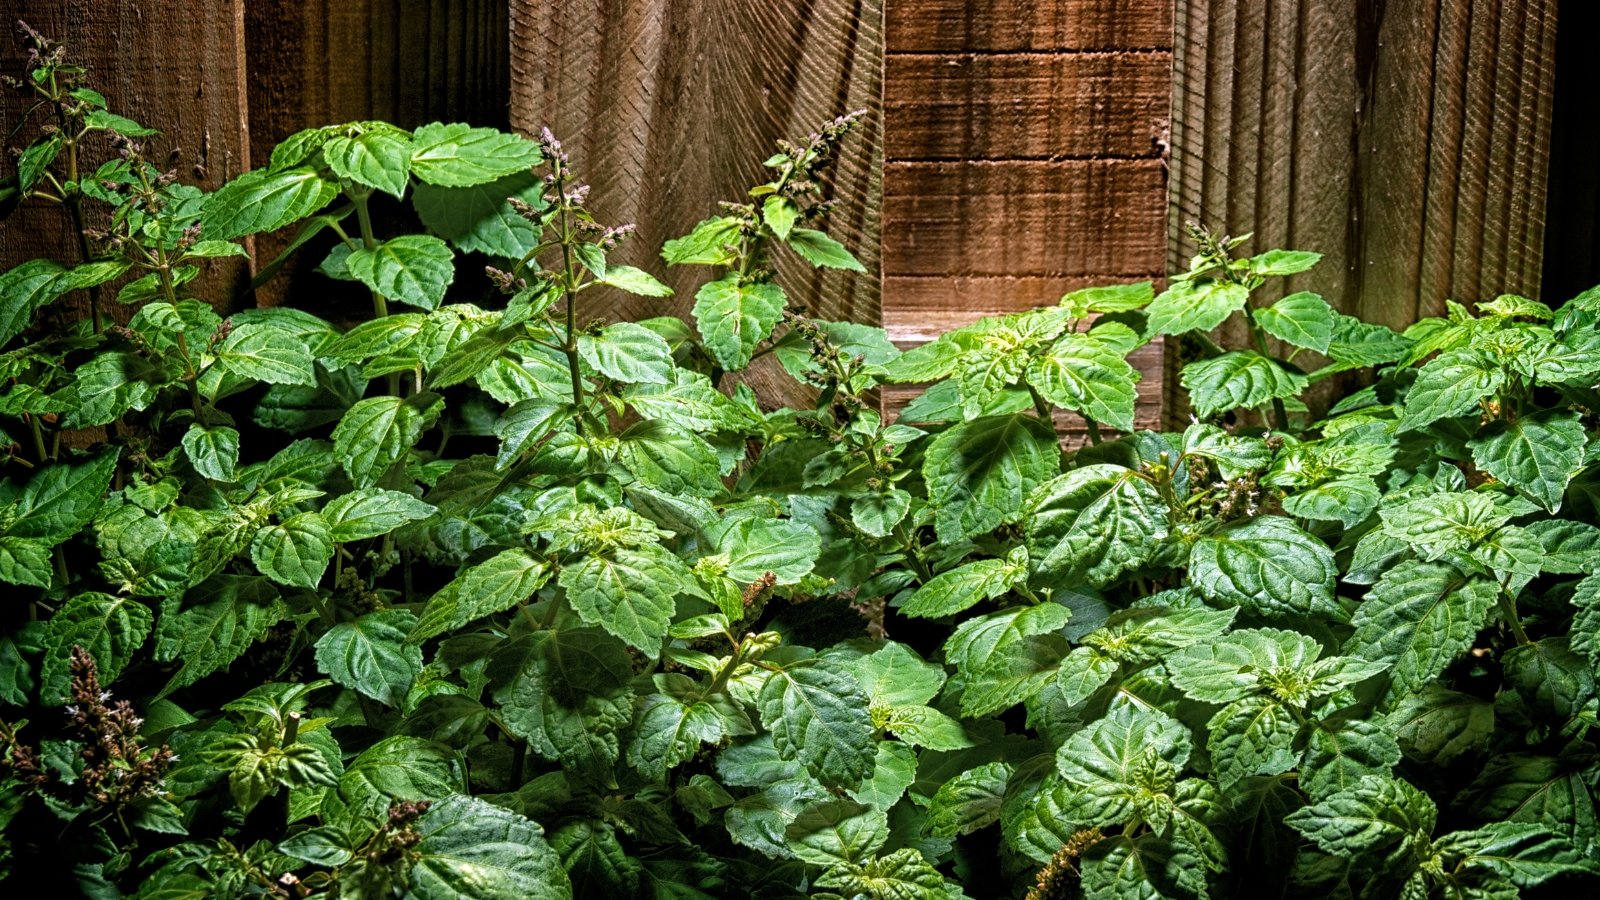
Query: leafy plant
487,597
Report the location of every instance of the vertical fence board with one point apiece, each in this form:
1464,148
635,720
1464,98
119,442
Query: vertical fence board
669,106
175,66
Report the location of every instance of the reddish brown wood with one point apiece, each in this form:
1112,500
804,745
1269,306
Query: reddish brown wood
1017,25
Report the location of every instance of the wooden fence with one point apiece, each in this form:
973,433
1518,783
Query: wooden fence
1016,148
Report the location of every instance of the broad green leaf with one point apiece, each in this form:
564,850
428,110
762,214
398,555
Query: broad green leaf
1303,319
1095,523
59,500
213,624
817,713
379,157
670,459
635,281
877,514
1570,548
1527,855
903,875
822,251
412,268
395,768
1080,373
926,727
734,318
629,593
1436,725
894,770
1348,501
1197,305
979,472
265,200
780,214
1008,656
688,401
1536,454
895,676
1252,736
379,431
960,588
1451,521
707,245
497,584
629,353
371,512
110,629
370,655
213,451
969,801
1375,815
1449,385
754,547
262,352
1340,754
480,218
837,831
1266,565
1108,298
295,552
1276,263
1420,616
24,290
26,561
472,848
458,155
1243,379
673,725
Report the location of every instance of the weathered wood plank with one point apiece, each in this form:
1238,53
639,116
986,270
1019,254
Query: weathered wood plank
1014,25
174,66
1075,217
1406,141
669,108
1025,106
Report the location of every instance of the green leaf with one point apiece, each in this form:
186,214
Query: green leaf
458,155
371,512
1528,855
673,725
1447,522
497,584
1108,298
110,629
979,472
1007,656
379,157
960,588
877,514
213,451
822,251
395,768
926,727
1376,814
629,353
1348,501
472,848
817,713
835,831
36,158
25,561
1275,263
379,431
480,218
968,802
754,547
629,593
412,268
895,676
1243,379
1536,454
1303,319
1449,385
265,200
1109,766
1436,724
213,624
670,459
706,245
59,500
295,552
1198,305
1094,523
24,290
780,213
1420,616
1338,757
734,318
1082,374
903,875
371,655
1266,565
264,352
635,281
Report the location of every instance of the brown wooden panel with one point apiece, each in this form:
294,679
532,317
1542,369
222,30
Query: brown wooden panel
670,107
1026,106
1011,25
1406,141
1076,217
176,66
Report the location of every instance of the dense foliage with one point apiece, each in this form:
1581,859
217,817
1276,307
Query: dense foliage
482,598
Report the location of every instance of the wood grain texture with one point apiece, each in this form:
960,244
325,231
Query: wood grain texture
175,66
669,106
1408,142
1021,25
1087,218
409,62
1025,106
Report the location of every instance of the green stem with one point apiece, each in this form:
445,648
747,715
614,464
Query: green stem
380,306
569,287
1508,609
1280,416
1094,429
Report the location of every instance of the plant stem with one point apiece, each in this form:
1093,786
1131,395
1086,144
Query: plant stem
570,345
1508,609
